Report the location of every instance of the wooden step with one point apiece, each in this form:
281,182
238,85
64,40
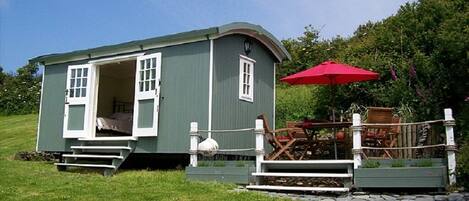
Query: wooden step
86,165
298,188
288,174
307,164
92,156
101,147
126,138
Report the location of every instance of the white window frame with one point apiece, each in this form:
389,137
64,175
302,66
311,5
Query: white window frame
249,96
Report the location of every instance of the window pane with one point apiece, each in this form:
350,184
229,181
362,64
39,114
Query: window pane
244,67
147,85
248,79
84,82
141,75
148,64
85,72
78,82
71,93
77,92
247,89
72,83
83,92
73,73
244,88
153,62
248,68
244,78
153,73
153,85
141,86
142,64
147,74
79,72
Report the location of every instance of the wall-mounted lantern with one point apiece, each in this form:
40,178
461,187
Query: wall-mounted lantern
247,46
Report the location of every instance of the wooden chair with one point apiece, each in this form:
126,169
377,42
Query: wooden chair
281,147
297,133
392,135
377,135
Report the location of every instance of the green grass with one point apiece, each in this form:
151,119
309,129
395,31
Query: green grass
25,180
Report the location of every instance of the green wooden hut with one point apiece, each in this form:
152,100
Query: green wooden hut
139,97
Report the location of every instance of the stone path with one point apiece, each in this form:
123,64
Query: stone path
364,196
359,196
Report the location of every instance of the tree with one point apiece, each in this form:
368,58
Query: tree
20,92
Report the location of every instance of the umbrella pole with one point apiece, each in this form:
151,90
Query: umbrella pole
333,119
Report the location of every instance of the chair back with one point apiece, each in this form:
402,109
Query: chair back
268,132
379,115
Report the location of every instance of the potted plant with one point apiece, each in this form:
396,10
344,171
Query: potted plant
399,173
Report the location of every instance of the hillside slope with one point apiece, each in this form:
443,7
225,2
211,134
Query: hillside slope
32,180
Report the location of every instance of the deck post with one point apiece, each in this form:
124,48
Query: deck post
450,145
259,131
357,140
194,136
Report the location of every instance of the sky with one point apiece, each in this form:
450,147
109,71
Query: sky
30,28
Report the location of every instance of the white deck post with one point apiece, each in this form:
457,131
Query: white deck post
357,140
450,145
259,131
194,136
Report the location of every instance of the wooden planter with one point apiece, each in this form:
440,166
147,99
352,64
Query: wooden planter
229,173
401,177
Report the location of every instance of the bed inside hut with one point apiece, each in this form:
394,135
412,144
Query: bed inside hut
116,89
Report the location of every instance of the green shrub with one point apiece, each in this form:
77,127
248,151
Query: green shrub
240,163
20,92
398,163
370,164
462,169
424,163
293,103
203,164
219,164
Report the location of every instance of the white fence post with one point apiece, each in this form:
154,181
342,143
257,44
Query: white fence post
357,140
194,136
259,131
450,145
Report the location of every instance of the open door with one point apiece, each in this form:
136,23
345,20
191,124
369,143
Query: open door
147,93
77,101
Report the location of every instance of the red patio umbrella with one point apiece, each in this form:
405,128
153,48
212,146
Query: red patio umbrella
330,73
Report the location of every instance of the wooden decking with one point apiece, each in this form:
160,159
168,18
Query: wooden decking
341,169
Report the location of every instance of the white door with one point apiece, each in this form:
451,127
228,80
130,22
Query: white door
147,93
77,101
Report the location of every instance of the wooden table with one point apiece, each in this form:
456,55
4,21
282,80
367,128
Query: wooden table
311,127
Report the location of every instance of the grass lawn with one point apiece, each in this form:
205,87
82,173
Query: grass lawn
24,180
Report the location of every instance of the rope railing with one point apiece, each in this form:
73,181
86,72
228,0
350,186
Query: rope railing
236,150
226,131
401,148
404,124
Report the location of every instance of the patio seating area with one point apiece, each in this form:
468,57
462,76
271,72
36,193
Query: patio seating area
377,152
381,148
327,140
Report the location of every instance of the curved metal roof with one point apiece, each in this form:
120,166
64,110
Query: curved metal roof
256,31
